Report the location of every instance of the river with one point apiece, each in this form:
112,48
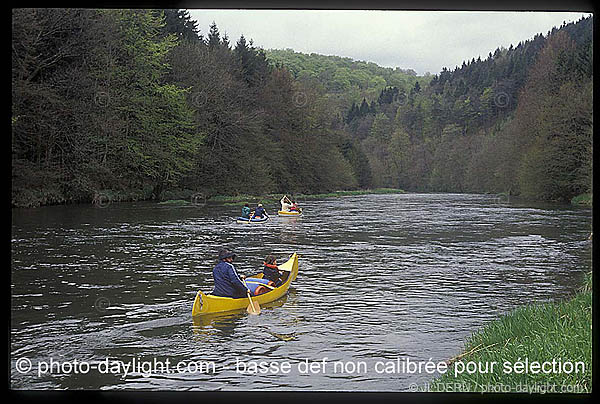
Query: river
101,297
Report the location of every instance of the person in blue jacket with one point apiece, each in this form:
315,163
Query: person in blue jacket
259,211
227,281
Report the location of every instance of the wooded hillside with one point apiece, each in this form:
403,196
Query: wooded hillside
519,121
139,104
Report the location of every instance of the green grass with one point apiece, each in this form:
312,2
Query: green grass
274,198
583,199
228,199
175,202
337,194
560,331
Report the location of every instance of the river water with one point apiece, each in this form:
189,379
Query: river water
101,296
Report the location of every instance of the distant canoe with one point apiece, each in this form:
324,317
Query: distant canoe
254,220
289,213
205,304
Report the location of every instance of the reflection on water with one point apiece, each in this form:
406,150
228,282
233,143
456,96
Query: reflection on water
381,277
226,322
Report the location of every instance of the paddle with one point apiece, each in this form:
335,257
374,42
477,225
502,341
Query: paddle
252,308
268,217
299,210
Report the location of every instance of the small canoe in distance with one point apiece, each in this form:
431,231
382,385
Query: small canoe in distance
208,304
289,213
253,220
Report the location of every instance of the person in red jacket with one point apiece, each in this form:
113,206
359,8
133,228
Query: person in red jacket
271,270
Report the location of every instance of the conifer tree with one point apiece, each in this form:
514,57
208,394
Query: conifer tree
214,38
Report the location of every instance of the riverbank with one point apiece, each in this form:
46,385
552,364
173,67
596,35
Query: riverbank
537,347
583,200
183,197
178,197
275,198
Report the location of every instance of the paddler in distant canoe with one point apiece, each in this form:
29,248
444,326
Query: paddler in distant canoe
246,211
227,281
259,212
286,204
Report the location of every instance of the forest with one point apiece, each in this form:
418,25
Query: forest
141,104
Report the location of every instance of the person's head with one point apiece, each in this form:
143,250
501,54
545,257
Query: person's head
271,260
226,255
246,205
260,205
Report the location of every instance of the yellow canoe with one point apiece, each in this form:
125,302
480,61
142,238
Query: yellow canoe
289,213
208,304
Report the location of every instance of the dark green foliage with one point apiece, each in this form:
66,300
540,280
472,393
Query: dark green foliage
388,95
254,66
135,104
179,22
214,38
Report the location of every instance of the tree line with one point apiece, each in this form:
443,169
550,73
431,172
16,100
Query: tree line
139,104
518,122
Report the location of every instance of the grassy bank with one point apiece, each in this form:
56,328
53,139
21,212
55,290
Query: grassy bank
275,198
583,199
183,197
540,347
350,193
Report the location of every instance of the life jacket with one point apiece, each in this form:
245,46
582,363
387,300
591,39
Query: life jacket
271,272
263,289
255,287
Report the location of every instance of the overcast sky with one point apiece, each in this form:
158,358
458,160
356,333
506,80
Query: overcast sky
425,41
